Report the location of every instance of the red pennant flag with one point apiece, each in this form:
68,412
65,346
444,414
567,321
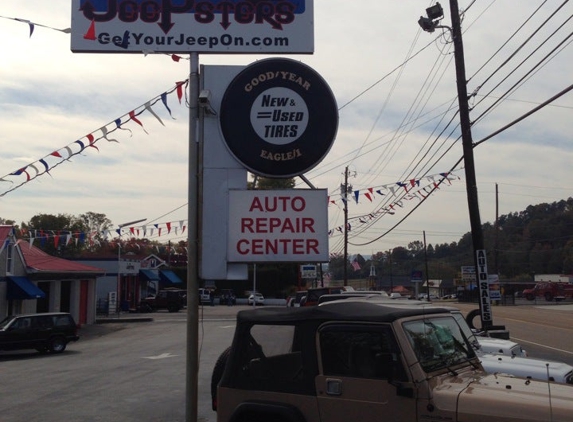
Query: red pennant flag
132,115
180,90
168,227
92,141
91,34
56,154
175,57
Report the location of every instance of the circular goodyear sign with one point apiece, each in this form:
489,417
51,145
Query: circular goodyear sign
279,118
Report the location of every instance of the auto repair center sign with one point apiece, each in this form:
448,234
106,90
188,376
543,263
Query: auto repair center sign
278,226
202,26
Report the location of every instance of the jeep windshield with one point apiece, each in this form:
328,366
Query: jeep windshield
438,343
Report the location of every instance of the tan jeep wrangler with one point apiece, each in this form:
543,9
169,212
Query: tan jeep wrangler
369,362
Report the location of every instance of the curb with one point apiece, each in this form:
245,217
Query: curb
122,320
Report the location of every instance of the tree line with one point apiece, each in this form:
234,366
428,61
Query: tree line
537,240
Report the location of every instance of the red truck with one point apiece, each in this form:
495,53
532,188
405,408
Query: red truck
550,290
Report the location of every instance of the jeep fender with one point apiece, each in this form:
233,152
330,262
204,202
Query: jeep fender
266,411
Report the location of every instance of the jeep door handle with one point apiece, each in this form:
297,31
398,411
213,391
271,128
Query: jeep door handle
333,387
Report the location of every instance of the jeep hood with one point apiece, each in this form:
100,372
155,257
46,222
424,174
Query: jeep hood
504,398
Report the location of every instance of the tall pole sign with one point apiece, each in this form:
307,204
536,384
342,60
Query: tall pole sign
185,26
193,27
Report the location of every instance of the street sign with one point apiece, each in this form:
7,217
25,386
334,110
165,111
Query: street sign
416,276
469,273
483,286
308,271
185,26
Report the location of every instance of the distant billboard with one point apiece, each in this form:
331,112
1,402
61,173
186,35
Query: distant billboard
308,271
184,26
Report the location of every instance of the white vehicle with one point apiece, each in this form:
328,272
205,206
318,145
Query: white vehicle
508,357
536,369
256,299
204,295
497,346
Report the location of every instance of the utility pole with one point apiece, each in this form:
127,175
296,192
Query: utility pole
344,189
496,250
391,277
429,24
480,259
427,271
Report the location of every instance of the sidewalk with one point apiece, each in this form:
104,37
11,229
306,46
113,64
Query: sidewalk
109,324
91,331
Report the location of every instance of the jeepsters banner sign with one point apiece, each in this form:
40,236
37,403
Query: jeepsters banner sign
278,226
182,26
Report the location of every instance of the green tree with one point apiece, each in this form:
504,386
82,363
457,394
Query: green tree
265,183
67,235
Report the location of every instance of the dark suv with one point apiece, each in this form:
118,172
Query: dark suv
47,332
171,299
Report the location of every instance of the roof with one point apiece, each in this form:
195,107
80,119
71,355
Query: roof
36,260
39,314
169,276
5,231
21,288
150,275
337,311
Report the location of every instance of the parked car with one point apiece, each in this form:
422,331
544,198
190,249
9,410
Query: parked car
537,369
171,299
500,356
294,300
312,295
256,299
369,358
356,294
204,295
46,332
498,346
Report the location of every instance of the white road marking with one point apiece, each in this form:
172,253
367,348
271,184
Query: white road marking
161,356
542,345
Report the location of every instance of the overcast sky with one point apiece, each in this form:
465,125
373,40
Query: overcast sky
396,93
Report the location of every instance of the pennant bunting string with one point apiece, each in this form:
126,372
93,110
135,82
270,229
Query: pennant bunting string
55,158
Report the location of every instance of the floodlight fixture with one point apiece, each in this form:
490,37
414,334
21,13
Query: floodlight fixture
435,12
427,24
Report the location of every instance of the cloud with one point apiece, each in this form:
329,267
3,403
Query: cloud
393,127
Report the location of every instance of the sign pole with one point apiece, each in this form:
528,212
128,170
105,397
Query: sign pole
192,358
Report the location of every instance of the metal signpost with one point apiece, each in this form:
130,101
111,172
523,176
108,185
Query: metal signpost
193,27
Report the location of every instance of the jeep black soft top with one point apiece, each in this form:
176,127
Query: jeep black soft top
342,311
